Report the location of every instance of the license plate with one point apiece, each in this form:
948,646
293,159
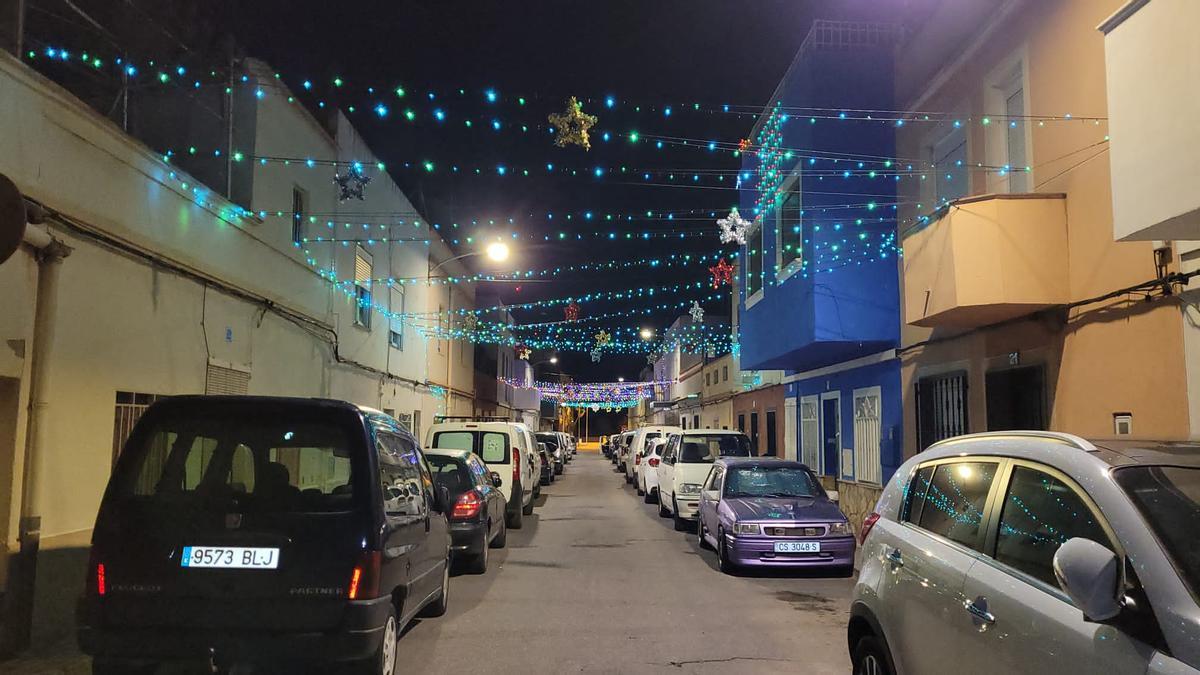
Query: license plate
230,557
797,547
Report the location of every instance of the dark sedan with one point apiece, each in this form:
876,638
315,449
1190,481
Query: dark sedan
772,513
477,512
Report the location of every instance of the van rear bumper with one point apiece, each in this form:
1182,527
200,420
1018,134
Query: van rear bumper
356,638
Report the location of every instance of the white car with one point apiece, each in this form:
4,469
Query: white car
508,448
622,446
648,470
684,466
637,446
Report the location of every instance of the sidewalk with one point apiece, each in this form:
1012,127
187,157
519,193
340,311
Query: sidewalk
61,659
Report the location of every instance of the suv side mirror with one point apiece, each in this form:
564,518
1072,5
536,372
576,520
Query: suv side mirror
1089,573
496,480
832,495
712,495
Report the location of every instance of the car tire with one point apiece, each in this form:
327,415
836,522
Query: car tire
700,532
681,524
727,566
527,510
110,667
870,657
513,518
649,496
662,508
640,491
501,538
383,661
478,564
437,607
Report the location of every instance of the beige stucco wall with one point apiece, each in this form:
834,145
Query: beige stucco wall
1114,356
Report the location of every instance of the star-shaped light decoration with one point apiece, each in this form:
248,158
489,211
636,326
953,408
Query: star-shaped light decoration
603,339
697,312
571,312
722,273
352,183
470,322
595,407
596,355
733,228
523,352
744,145
573,125
651,358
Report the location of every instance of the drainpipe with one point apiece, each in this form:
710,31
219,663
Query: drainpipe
49,253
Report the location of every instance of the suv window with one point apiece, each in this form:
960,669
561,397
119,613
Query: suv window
1040,514
1168,497
706,448
490,446
669,450
951,503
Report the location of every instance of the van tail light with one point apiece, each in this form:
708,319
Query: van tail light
516,460
637,460
868,523
97,574
101,582
364,579
468,506
653,461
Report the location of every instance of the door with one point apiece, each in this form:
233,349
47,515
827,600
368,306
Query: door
1016,398
1030,623
754,433
928,554
710,497
831,433
810,433
772,439
941,408
666,471
406,517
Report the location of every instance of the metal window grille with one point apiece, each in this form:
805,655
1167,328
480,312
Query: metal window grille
868,432
223,380
298,210
827,34
810,433
941,408
396,331
362,286
129,409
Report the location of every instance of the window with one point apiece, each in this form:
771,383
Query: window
1006,137
772,448
810,432
400,480
754,255
868,436
129,409
764,481
299,201
941,408
396,321
1018,179
706,448
707,380
491,446
789,237
724,373
695,421
1168,497
1040,514
714,479
362,287
742,423
951,503
682,422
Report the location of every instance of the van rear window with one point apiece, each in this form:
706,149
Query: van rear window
260,463
491,446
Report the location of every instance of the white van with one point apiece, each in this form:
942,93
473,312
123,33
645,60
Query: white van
508,448
637,446
685,464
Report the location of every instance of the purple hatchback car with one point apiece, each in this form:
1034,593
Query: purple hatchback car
769,512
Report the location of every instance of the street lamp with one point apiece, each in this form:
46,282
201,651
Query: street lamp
497,251
553,359
620,379
646,333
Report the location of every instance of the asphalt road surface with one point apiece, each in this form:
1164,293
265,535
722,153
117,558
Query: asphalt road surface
596,582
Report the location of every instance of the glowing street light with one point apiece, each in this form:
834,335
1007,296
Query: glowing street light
646,333
497,251
553,359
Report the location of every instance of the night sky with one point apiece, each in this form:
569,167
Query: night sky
641,52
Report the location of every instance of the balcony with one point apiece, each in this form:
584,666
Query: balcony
986,259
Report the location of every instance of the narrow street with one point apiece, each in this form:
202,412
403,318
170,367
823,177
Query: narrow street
596,582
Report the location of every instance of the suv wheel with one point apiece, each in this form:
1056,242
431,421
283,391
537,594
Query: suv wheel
662,507
651,496
383,661
528,508
438,605
681,524
869,657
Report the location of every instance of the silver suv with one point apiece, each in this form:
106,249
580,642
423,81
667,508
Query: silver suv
1017,552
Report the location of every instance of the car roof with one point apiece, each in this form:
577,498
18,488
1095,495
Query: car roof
448,452
467,424
770,462
1061,449
709,432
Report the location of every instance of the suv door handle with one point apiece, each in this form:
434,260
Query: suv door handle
978,608
895,557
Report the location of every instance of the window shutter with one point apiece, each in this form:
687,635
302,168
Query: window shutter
362,266
228,381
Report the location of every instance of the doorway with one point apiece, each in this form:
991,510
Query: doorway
754,432
1016,399
831,432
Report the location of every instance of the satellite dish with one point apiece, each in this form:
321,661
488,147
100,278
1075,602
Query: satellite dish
12,218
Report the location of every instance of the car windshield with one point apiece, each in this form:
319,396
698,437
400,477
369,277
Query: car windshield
1169,499
550,440
254,460
450,473
762,481
706,448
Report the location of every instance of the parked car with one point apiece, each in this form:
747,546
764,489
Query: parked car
476,513
623,449
618,444
648,471
567,444
263,530
554,446
767,512
508,448
1025,551
547,465
637,446
684,467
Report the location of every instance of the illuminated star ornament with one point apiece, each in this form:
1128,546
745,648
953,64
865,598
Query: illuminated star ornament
596,355
571,312
603,339
352,183
523,352
573,125
744,145
722,274
470,322
733,228
697,312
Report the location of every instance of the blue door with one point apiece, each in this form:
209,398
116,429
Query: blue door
831,434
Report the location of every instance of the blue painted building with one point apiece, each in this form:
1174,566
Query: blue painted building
819,296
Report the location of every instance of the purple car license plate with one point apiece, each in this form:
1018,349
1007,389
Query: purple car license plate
797,547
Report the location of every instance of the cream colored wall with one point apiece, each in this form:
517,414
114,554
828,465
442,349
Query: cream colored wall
1115,356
